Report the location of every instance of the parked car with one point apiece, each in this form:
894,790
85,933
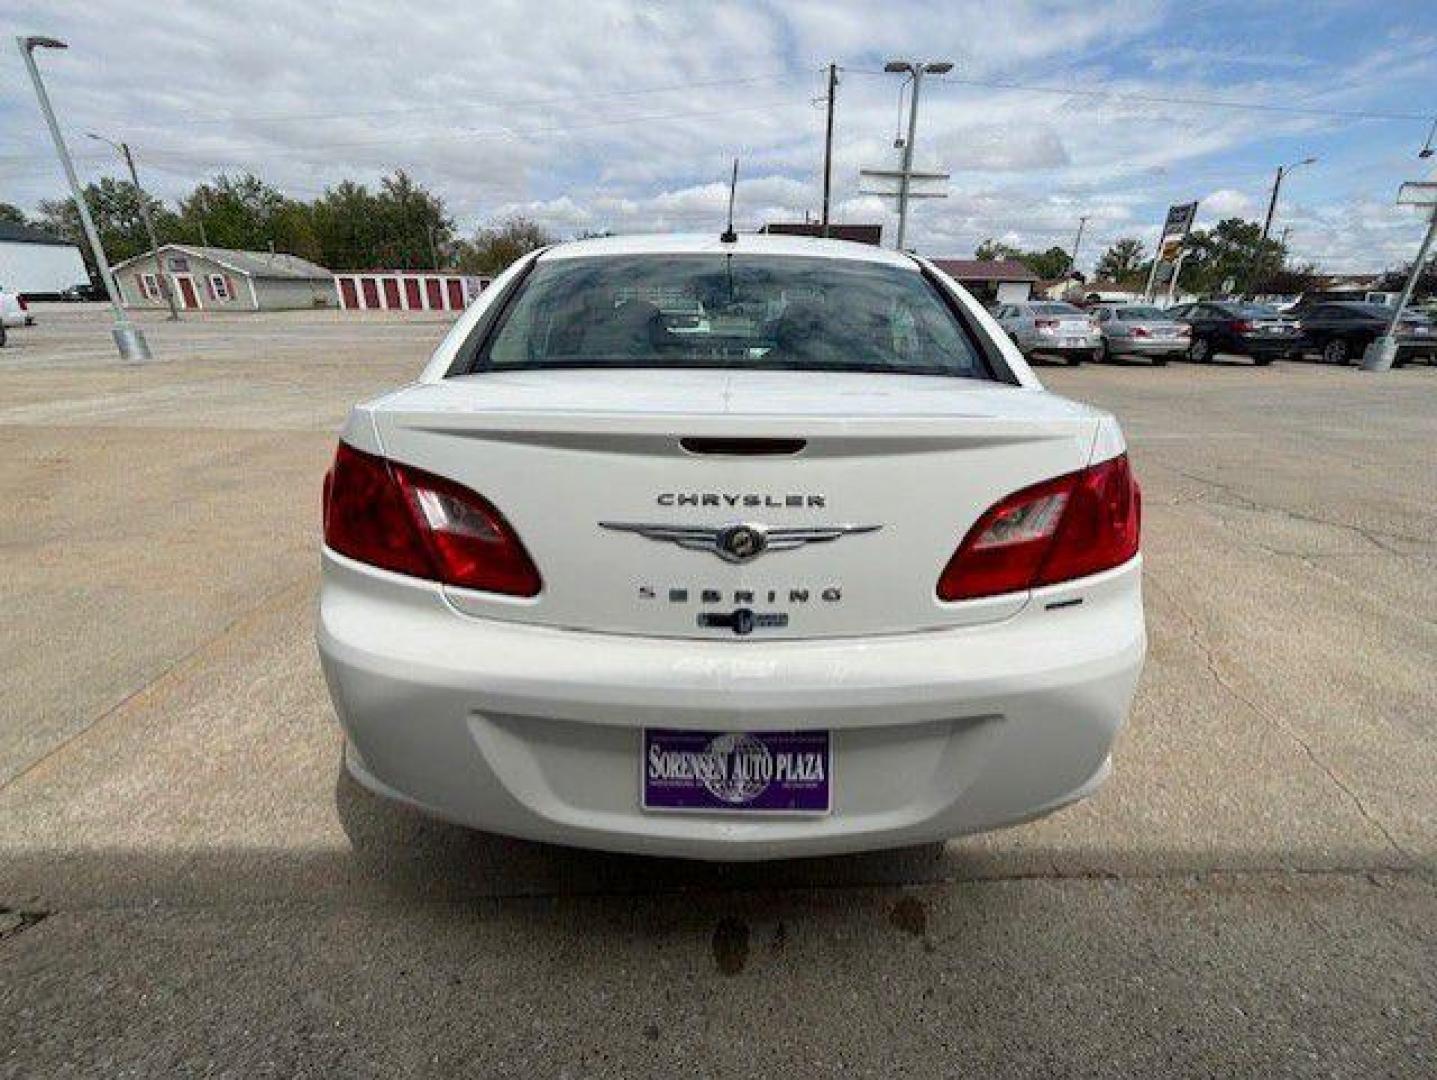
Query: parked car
1051,328
1341,331
1230,326
14,310
84,291
1140,330
594,582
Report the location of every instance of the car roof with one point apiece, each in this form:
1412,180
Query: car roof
709,244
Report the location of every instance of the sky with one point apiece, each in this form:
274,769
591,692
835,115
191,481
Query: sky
626,117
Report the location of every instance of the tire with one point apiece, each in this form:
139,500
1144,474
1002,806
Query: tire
1075,359
1160,361
1105,354
1336,351
1200,352
1262,361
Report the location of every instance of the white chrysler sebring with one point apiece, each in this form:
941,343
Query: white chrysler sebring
730,549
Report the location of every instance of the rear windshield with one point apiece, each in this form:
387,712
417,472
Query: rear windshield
1141,314
1056,309
730,311
1253,311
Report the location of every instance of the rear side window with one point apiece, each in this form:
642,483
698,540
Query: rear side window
730,311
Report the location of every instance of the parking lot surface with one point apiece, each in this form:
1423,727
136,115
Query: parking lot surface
189,886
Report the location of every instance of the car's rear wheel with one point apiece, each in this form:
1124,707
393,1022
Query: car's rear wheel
1160,361
1105,354
1074,359
1262,361
1336,351
1200,351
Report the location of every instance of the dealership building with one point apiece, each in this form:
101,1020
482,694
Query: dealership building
34,263
224,279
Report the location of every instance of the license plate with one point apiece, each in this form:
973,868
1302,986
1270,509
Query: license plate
1074,342
756,772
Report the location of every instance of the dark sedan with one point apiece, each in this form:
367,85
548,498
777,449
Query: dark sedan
1342,329
1254,330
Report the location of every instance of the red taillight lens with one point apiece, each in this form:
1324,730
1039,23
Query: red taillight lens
404,519
1141,331
1046,324
1064,528
1242,326
24,304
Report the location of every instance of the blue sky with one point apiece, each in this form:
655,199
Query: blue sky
624,116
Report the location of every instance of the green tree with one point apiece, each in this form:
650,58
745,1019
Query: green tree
1123,262
13,214
991,250
115,207
245,212
1231,249
401,226
497,245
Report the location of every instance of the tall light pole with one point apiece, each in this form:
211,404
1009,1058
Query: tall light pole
160,276
129,339
1257,258
916,69
1381,354
1077,240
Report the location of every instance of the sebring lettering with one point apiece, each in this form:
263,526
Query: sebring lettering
831,594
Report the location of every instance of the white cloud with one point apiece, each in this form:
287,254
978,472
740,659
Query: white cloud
590,114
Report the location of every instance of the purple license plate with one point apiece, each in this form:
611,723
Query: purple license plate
773,772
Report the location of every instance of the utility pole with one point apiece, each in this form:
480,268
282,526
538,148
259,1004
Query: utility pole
204,209
1077,240
160,275
1259,255
129,339
916,70
828,144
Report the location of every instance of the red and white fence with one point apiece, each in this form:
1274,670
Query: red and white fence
398,290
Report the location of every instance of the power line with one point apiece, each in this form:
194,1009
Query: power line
1173,99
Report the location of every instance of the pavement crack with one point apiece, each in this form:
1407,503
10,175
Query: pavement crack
168,673
1243,501
1274,721
14,922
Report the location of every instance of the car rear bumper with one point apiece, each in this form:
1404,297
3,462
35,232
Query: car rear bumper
1268,346
536,732
1148,346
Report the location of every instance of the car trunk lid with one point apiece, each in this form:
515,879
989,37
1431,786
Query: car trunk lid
611,477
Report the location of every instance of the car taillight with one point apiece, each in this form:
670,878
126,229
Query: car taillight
403,519
1141,331
1046,324
1064,528
24,304
1241,326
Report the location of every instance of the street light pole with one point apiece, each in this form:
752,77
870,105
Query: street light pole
916,69
1382,353
1257,257
129,339
160,275
1077,240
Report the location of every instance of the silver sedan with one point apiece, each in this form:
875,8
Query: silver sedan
1140,330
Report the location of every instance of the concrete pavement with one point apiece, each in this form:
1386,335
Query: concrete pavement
195,889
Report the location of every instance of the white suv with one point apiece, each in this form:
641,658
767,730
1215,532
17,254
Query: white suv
831,572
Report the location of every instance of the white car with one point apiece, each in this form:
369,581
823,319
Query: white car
1052,328
13,310
840,576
